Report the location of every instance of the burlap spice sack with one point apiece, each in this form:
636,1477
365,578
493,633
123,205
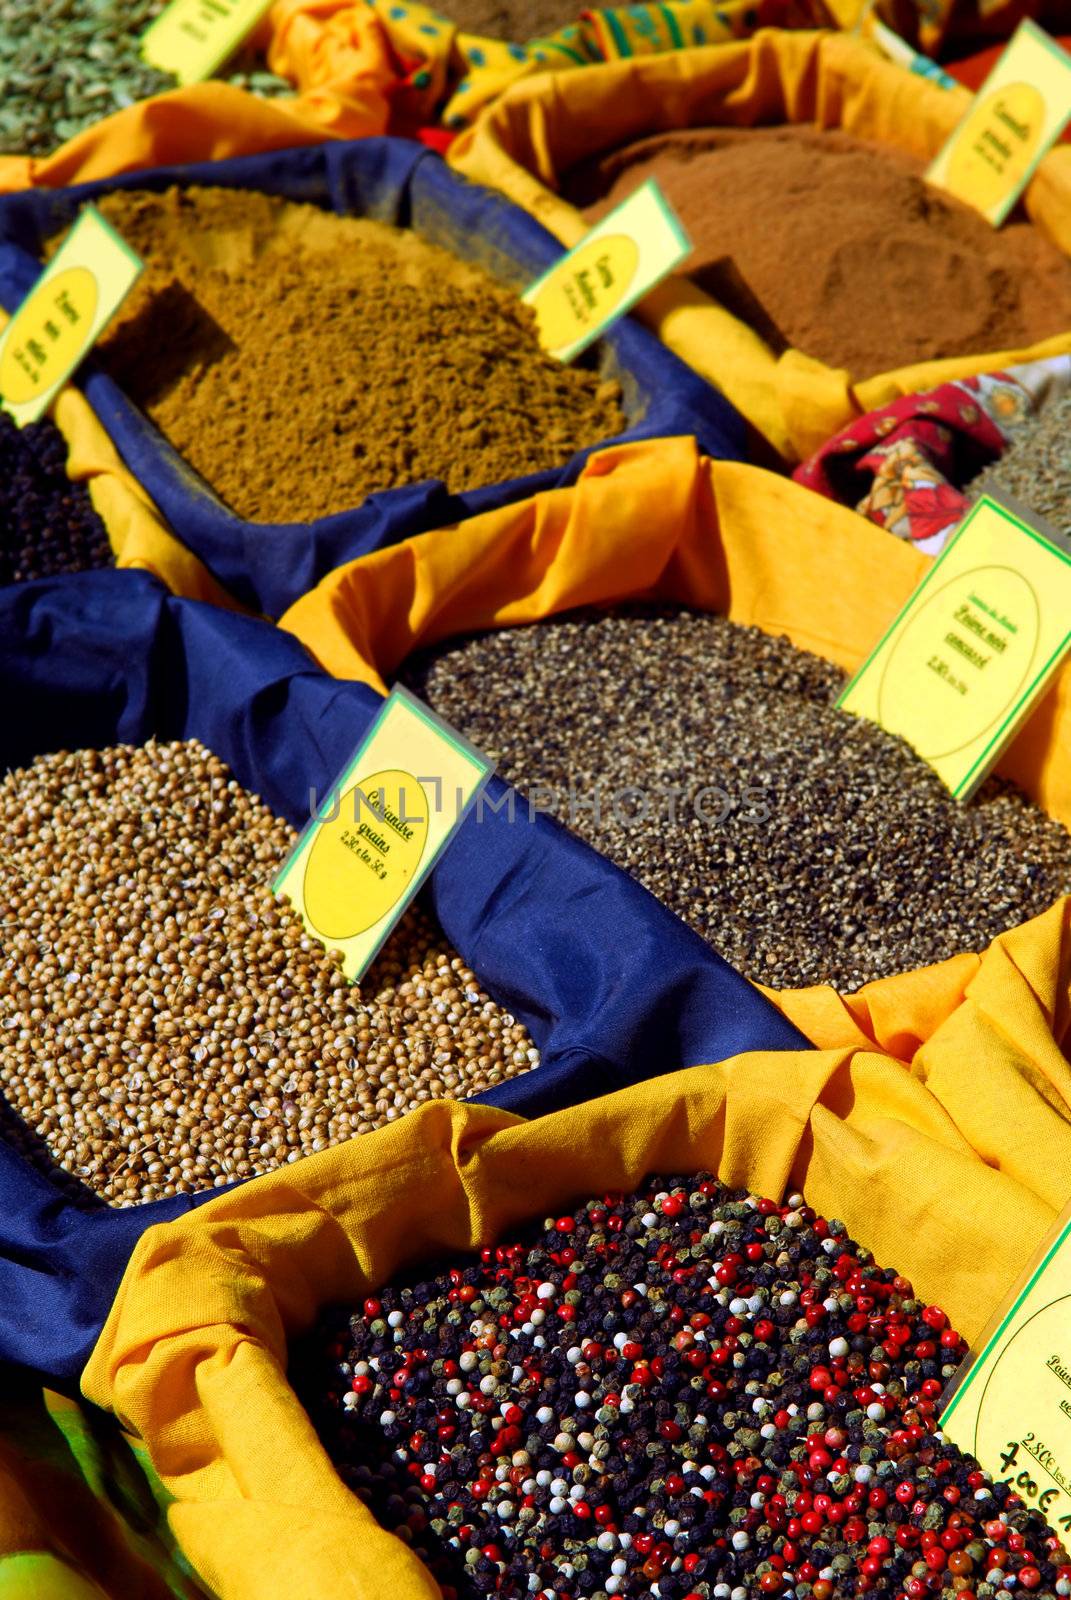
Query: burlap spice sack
868,268
300,360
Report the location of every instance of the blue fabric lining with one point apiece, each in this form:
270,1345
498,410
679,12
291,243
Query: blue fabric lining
613,987
269,566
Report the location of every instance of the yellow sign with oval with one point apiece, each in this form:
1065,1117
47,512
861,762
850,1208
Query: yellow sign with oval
392,810
1010,1403
974,648
191,39
47,334
623,256
365,857
586,292
997,145
63,315
977,667
1016,116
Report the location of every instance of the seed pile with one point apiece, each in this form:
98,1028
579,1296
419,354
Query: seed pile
896,271
165,1023
689,1393
1036,467
47,523
301,360
64,64
807,845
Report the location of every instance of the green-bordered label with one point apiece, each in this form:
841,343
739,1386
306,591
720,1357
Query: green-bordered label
1015,118
388,817
634,247
1010,1406
973,650
192,39
64,314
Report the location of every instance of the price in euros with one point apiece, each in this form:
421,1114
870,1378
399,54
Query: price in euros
1024,1484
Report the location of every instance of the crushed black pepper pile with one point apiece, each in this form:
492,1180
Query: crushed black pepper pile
689,1393
709,760
47,523
1036,467
167,1024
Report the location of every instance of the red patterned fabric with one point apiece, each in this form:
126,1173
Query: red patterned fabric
907,465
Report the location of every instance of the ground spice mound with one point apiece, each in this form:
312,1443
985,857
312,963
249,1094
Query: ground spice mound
47,523
166,1024
517,21
688,1392
300,360
807,845
838,248
1036,467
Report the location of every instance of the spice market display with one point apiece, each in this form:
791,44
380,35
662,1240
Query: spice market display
478,1010
752,1415
807,845
897,273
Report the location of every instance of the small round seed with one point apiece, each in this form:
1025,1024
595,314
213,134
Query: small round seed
167,1024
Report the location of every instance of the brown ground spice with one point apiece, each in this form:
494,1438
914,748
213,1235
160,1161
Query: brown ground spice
516,21
300,360
839,248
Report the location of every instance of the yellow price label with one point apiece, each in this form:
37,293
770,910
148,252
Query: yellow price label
192,39
613,266
971,653
1016,116
367,849
1010,1406
63,315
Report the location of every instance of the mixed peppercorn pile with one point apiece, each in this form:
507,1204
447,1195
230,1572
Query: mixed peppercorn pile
688,1393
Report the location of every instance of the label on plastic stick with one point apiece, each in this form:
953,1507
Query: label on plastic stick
1010,1406
191,39
388,817
1015,119
634,247
64,315
975,647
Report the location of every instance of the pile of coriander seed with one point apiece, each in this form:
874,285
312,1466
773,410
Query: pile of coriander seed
167,1024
